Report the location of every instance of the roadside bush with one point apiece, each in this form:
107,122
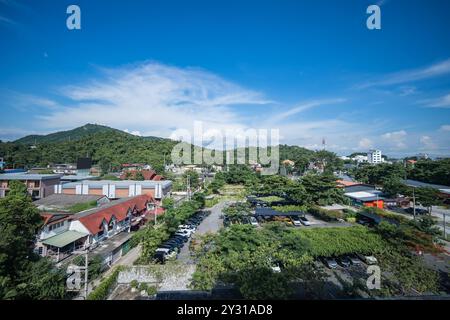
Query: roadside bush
326,215
105,287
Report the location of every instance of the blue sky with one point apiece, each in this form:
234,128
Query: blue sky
310,68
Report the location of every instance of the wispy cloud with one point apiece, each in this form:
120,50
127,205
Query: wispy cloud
445,127
407,76
441,102
395,139
153,97
305,106
7,20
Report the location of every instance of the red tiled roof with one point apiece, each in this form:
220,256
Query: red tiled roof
343,183
131,174
93,222
158,178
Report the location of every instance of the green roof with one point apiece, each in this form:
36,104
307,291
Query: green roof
63,239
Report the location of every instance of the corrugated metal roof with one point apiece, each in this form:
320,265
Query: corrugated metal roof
63,239
419,184
28,176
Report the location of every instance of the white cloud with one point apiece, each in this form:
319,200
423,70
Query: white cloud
365,143
395,139
441,102
428,143
445,127
133,132
153,97
305,106
434,70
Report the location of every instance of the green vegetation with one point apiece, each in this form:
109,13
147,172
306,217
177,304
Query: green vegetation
23,274
290,208
108,147
244,256
325,215
95,265
270,199
328,242
82,206
105,287
151,236
437,172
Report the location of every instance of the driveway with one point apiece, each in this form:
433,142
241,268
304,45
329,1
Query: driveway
211,224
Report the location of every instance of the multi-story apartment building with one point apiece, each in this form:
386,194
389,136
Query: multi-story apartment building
374,156
38,185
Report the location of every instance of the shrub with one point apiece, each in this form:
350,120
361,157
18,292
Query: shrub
134,284
151,290
326,215
105,287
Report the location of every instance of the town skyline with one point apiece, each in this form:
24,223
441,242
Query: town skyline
313,76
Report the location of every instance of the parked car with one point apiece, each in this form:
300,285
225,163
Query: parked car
418,211
253,221
296,221
304,221
330,263
368,259
159,257
344,262
354,259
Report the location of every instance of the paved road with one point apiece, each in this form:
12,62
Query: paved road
211,223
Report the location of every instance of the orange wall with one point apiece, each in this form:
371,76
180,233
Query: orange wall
373,204
68,191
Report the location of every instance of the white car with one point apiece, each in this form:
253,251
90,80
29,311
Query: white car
305,221
253,221
191,230
186,233
296,221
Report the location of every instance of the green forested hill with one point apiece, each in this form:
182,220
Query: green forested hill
68,135
105,145
110,147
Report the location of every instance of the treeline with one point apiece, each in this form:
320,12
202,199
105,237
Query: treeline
429,171
108,149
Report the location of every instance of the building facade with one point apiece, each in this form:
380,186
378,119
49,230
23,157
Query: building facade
117,189
38,185
374,157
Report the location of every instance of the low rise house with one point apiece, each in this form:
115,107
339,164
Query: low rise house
366,199
64,232
38,185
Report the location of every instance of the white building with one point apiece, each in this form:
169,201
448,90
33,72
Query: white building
360,158
374,156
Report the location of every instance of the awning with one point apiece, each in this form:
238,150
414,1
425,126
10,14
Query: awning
63,239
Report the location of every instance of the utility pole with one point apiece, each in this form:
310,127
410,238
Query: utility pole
156,211
414,202
445,234
188,187
85,268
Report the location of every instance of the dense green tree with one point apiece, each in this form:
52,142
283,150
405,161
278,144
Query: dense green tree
321,189
23,274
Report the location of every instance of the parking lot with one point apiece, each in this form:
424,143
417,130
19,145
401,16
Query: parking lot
212,223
